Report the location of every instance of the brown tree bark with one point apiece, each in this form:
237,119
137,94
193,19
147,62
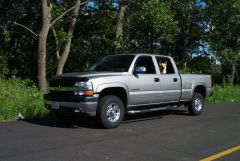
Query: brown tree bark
63,57
233,73
46,19
120,23
186,43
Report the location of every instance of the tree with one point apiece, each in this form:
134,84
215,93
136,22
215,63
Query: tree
175,28
17,45
47,23
150,26
224,35
120,24
42,40
63,57
230,57
189,15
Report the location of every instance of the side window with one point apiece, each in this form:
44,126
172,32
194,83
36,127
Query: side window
165,65
147,62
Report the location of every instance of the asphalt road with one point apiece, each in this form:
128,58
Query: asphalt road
166,136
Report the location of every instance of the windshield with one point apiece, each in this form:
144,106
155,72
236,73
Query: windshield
114,63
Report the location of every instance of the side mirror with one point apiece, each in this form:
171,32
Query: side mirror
140,70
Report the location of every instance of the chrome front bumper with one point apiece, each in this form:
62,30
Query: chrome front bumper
74,106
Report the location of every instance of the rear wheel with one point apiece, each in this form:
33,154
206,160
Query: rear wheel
110,111
196,105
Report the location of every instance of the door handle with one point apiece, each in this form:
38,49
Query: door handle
175,79
156,80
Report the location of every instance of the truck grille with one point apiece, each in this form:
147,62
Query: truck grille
61,94
63,86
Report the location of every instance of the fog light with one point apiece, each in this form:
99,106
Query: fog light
78,93
77,110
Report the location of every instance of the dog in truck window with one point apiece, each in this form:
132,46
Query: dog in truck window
163,66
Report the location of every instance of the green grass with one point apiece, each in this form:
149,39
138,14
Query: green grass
19,96
226,93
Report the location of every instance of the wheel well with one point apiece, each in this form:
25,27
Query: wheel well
200,89
116,91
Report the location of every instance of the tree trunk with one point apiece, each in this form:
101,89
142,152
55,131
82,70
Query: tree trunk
119,31
185,44
63,58
233,73
46,18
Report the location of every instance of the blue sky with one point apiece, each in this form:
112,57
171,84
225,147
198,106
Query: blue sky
201,3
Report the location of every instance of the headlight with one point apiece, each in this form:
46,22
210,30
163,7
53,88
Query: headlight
83,88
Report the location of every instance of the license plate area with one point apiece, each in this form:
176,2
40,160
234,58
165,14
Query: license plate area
55,105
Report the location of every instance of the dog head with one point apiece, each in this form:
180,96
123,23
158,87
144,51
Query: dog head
163,66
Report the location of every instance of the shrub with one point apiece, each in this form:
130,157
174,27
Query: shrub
225,93
20,97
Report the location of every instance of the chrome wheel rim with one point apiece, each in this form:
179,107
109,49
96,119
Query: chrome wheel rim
198,104
113,112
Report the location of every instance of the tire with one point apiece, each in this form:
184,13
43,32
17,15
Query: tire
196,105
110,111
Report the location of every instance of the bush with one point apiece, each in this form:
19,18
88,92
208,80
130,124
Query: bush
225,93
20,97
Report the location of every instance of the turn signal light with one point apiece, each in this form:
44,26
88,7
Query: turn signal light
88,92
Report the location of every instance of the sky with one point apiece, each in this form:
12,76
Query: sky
201,3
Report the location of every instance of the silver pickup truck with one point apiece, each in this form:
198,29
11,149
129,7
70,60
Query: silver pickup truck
126,84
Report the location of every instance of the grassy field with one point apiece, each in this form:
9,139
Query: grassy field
19,97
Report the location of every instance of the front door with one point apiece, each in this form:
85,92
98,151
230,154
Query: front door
144,86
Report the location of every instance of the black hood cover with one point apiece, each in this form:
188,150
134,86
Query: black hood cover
65,81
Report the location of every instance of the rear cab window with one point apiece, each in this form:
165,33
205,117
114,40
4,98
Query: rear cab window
165,65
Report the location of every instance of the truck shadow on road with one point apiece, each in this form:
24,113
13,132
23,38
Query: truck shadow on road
92,122
154,115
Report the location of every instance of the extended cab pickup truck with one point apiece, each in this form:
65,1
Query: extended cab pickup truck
126,84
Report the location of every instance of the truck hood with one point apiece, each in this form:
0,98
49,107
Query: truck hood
68,79
90,74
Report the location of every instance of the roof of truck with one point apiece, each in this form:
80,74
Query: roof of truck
146,54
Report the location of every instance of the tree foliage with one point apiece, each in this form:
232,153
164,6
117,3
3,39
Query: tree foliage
150,27
224,32
176,28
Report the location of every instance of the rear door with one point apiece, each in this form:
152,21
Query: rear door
144,87
170,82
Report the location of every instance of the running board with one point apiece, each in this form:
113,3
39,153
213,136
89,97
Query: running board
145,110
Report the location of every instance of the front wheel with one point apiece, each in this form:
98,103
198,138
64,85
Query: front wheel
196,105
110,111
